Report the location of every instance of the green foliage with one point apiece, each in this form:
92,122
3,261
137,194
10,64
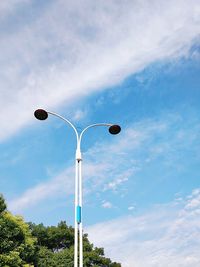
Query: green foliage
27,245
17,246
55,248
47,258
11,259
53,237
2,204
95,258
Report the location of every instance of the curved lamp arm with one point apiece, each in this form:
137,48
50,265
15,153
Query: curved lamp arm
67,121
42,114
92,125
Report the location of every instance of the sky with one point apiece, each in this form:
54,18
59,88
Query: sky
133,63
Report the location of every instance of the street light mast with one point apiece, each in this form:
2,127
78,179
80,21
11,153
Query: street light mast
42,114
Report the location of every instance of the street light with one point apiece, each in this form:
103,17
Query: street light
42,114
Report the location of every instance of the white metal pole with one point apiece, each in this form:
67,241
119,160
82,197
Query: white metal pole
78,228
80,223
79,201
75,219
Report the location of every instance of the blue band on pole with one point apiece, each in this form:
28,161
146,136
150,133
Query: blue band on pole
78,213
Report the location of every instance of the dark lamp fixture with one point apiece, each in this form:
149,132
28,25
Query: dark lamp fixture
41,114
114,129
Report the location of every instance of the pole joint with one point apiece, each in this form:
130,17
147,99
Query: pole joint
78,155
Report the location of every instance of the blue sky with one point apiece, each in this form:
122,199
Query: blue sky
134,63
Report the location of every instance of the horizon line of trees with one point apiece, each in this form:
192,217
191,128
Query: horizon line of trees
30,245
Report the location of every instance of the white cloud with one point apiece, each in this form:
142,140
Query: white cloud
118,181
107,205
167,235
194,200
8,6
79,114
73,48
62,184
101,175
131,208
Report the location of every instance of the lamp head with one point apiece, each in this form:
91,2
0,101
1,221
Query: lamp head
41,114
114,129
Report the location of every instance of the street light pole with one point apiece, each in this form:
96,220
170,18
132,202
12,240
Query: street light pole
42,114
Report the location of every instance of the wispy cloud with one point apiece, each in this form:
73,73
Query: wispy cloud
6,7
107,204
131,208
118,181
167,235
62,184
62,53
79,115
141,140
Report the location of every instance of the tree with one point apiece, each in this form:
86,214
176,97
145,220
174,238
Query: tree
56,248
17,246
54,238
26,245
2,204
